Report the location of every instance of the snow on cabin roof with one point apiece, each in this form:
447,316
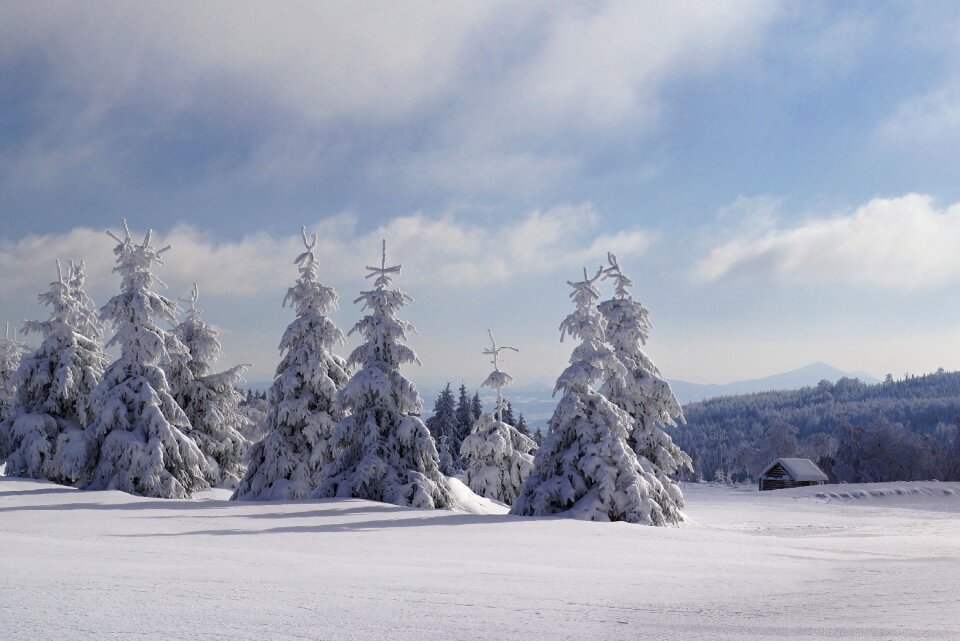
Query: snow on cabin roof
799,469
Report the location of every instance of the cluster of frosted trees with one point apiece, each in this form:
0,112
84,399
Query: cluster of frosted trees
606,456
160,421
157,421
453,420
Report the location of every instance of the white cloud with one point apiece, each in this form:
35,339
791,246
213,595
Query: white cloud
482,86
440,250
904,242
602,65
931,118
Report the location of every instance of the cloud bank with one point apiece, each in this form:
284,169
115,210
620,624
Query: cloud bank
472,98
905,242
443,251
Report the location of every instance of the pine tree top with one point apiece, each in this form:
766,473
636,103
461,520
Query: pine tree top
592,359
11,350
382,331
135,262
309,295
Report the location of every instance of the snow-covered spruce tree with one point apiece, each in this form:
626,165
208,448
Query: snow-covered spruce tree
210,399
43,437
386,452
497,456
643,392
301,405
87,319
585,468
11,351
138,437
443,428
506,415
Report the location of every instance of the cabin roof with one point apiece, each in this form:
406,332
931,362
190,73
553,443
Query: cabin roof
799,469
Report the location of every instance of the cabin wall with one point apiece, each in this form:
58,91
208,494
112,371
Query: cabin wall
781,483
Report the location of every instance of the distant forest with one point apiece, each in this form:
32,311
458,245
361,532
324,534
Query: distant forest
897,430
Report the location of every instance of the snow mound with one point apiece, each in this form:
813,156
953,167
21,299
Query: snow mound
466,500
890,491
928,495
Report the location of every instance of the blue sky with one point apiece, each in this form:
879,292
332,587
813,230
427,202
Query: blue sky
780,180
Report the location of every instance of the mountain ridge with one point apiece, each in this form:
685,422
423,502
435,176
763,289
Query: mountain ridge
808,375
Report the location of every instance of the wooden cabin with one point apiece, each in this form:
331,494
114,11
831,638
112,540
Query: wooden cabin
791,472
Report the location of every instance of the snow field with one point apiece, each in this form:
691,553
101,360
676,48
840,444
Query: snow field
787,565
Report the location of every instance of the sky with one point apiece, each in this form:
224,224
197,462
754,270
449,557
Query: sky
779,179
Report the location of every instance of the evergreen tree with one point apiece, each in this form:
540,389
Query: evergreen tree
443,428
585,467
11,351
87,318
302,409
507,414
464,414
444,418
538,437
476,407
138,438
43,436
643,393
385,451
522,425
210,399
496,455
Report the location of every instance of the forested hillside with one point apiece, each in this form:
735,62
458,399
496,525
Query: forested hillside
895,430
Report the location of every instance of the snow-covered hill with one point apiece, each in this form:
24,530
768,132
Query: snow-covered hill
835,562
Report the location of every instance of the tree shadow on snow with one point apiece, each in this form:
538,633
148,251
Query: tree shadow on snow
428,520
62,489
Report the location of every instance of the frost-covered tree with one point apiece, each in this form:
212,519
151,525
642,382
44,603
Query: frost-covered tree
11,351
87,319
643,393
507,414
585,468
497,456
138,439
44,434
443,428
385,451
210,399
302,409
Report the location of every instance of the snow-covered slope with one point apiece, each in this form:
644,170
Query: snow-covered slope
790,565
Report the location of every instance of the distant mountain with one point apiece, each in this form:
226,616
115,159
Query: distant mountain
808,375
537,402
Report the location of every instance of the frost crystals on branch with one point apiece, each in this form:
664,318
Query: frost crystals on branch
385,451
585,468
301,404
43,437
643,393
139,436
497,456
209,399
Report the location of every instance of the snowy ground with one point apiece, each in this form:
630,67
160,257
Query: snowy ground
857,562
